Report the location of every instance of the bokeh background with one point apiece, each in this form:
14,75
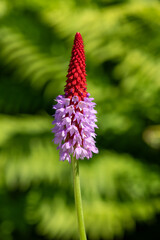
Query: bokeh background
121,185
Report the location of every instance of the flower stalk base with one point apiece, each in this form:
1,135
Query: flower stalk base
78,199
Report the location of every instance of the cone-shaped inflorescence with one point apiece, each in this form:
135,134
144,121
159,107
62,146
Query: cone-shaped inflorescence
75,115
76,82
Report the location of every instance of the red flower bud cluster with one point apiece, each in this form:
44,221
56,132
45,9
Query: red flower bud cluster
76,77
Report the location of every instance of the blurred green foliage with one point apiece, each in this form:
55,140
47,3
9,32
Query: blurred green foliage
120,186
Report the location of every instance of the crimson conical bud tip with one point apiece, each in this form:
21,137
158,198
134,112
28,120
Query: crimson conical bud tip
78,39
76,77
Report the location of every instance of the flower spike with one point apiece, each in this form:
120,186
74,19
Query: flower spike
75,115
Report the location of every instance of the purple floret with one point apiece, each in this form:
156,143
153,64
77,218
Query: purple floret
74,127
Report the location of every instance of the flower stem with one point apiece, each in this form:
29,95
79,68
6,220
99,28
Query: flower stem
78,200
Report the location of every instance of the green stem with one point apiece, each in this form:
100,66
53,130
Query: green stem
78,200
